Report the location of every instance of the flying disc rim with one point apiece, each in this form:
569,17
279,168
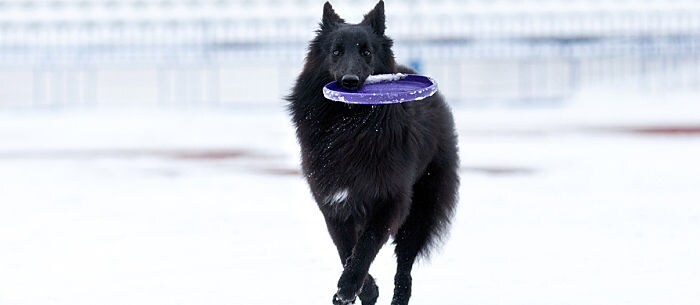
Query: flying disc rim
333,91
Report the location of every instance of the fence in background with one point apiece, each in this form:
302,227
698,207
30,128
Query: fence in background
226,52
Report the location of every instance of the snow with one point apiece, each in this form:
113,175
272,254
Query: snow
373,79
333,95
138,206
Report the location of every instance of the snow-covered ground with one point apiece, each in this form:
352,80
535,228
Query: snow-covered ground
207,207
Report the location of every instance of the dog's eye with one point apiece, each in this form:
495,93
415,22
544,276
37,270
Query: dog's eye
337,52
366,53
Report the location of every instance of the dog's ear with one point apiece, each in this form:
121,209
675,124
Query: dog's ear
330,18
375,18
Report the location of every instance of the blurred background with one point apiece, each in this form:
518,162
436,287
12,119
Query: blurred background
78,53
146,156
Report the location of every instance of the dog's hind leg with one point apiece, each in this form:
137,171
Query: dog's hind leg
344,235
434,198
409,240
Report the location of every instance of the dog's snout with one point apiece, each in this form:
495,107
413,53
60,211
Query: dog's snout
350,81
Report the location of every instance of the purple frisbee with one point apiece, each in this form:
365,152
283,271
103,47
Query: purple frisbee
384,89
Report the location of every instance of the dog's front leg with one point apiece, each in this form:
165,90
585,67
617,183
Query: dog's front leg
373,237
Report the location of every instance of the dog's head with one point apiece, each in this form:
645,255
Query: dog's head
352,52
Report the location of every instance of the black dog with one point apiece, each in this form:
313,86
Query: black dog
375,171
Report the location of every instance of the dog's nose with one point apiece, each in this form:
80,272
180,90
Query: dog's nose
350,81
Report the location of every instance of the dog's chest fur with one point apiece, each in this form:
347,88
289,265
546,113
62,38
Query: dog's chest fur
353,155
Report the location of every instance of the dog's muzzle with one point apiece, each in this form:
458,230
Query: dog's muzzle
350,81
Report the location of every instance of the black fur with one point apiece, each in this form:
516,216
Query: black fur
375,171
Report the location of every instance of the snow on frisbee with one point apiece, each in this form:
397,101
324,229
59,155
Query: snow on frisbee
384,89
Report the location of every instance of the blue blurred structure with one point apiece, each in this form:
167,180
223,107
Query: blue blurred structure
206,53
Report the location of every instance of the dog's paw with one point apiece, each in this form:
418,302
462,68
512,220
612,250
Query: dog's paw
349,285
340,300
